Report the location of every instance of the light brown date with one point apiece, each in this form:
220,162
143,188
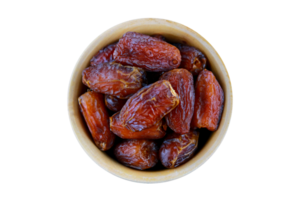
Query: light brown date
177,149
96,117
114,79
138,154
209,101
179,119
147,52
113,103
154,132
148,106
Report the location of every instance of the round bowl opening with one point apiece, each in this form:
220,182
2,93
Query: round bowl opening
173,32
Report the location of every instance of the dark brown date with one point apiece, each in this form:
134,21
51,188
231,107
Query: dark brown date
104,55
147,52
159,36
179,119
154,132
96,117
114,79
191,59
148,106
138,154
113,103
209,101
177,149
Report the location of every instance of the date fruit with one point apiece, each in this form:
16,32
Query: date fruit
148,106
114,79
138,154
209,101
159,36
104,55
177,149
154,132
179,119
147,52
96,117
191,59
113,103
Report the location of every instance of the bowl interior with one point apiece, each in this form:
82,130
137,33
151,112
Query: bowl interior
173,32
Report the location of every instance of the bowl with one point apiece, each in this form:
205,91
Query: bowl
174,32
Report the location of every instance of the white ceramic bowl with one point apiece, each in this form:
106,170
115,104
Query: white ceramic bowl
173,32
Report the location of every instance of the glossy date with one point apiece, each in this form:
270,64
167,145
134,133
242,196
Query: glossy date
209,101
138,154
179,119
177,149
96,117
191,59
147,52
113,103
114,79
156,131
148,106
104,55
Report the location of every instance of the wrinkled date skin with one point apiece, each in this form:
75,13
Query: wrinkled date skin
179,119
177,149
96,117
148,106
147,52
104,55
138,154
154,132
114,79
209,101
191,59
113,103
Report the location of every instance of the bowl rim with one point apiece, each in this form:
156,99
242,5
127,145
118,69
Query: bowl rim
137,178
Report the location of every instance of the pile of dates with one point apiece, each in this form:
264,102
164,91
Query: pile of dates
140,86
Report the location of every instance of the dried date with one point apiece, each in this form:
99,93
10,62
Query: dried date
159,36
154,132
147,52
113,103
96,117
138,154
179,119
114,79
104,55
148,106
209,101
177,149
191,59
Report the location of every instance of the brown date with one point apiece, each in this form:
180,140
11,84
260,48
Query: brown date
179,119
104,55
114,79
138,154
96,117
177,149
191,59
147,52
154,132
209,101
113,103
159,36
148,106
